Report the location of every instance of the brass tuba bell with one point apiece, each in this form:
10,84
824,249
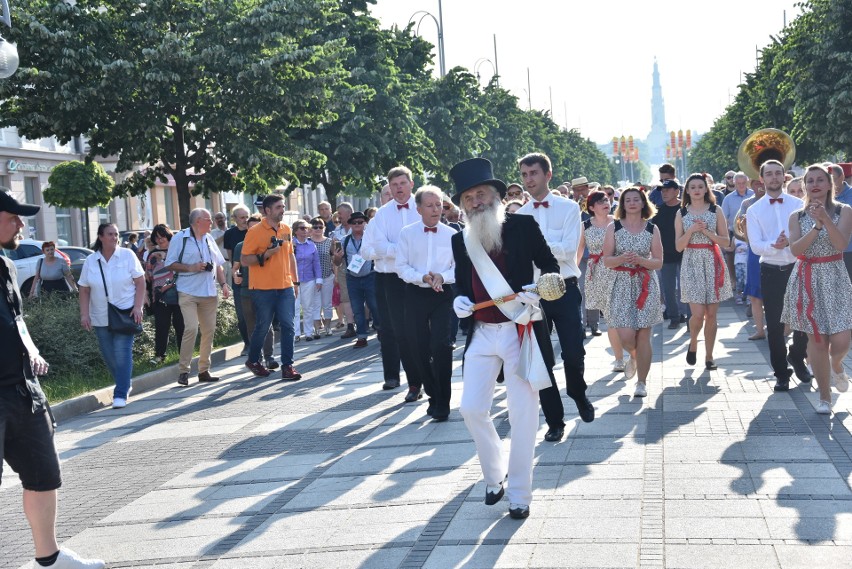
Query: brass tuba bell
762,145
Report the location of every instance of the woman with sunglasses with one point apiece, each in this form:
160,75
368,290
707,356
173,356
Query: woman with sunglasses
597,278
514,192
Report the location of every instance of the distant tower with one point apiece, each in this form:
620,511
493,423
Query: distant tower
656,140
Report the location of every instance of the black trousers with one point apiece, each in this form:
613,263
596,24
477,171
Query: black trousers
428,319
773,285
564,313
390,296
166,316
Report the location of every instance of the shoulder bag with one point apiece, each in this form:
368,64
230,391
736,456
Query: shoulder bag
120,320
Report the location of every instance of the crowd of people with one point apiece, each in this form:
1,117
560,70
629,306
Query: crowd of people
509,265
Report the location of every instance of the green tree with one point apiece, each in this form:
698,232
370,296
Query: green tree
378,129
81,185
200,90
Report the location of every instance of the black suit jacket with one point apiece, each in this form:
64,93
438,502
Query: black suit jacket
523,246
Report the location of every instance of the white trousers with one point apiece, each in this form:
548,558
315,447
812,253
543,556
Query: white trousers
322,300
493,346
307,293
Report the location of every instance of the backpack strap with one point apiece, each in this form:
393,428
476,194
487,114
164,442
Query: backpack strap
180,258
683,212
617,224
346,241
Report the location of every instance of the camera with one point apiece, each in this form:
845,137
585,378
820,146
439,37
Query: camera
275,242
208,266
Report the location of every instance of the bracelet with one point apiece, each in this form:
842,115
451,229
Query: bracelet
296,283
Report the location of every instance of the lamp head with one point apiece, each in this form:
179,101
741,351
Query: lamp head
8,58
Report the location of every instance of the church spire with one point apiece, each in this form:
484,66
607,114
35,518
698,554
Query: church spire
657,137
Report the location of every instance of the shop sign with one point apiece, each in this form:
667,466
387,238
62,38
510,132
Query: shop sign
17,166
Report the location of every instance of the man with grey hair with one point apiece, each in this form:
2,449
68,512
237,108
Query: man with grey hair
197,263
324,212
233,237
428,271
730,207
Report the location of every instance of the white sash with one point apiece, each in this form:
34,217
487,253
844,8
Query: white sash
531,366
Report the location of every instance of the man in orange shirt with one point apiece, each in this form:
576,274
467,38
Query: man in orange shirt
268,252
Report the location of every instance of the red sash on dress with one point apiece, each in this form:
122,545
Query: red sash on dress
646,281
594,259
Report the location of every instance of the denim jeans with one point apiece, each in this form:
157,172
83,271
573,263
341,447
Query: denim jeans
117,351
361,290
267,305
238,292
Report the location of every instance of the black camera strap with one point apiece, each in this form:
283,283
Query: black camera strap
197,246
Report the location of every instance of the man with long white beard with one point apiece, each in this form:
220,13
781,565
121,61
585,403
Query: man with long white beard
494,256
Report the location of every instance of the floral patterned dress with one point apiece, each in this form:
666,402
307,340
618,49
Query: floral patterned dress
598,278
634,298
819,293
704,277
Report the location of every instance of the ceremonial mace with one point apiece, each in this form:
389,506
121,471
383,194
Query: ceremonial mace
550,286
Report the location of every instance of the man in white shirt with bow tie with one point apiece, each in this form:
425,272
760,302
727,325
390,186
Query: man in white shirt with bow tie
425,262
559,221
380,246
767,221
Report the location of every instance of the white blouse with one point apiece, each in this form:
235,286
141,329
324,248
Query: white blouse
123,266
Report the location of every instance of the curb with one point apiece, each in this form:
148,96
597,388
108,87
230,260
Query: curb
150,381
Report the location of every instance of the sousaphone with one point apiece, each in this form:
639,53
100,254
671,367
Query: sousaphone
762,145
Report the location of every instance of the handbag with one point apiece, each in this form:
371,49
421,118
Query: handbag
119,320
167,294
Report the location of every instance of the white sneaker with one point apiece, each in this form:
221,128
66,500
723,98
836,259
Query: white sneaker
840,381
618,366
629,368
641,390
824,407
119,403
69,560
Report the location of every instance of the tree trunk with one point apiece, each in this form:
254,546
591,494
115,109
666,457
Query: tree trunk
332,190
184,197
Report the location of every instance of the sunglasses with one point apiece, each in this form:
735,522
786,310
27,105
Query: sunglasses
610,194
301,228
317,227
357,222
447,208
513,193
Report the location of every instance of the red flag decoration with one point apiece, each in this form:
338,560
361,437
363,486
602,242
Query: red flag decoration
689,139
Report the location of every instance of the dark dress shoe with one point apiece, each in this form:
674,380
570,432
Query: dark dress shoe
521,512
492,498
674,325
595,331
440,418
414,393
390,384
586,409
802,372
183,379
782,385
711,365
691,358
206,377
360,343
554,434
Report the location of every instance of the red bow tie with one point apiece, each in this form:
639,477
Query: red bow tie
399,206
428,229
541,204
776,200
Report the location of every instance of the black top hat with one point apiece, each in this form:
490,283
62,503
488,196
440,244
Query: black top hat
10,204
472,173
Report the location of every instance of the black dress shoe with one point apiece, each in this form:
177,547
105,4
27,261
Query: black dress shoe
595,331
690,358
414,393
586,409
782,385
492,498
430,409
390,384
674,325
183,379
554,434
206,377
802,372
519,512
440,418
711,365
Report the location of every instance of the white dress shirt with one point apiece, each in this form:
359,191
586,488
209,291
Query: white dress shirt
420,252
382,233
123,266
560,224
764,223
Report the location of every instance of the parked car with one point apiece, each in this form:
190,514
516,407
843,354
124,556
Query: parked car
28,253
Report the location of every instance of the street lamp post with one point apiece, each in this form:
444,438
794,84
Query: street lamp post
442,66
8,52
479,63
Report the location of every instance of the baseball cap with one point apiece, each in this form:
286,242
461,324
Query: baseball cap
670,184
10,204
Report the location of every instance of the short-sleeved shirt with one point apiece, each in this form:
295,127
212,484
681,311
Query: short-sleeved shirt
54,271
123,266
12,362
665,220
277,271
233,236
204,250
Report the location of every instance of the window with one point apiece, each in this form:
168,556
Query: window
63,225
104,215
31,192
4,180
170,207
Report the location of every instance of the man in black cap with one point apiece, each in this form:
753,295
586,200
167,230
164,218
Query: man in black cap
26,426
495,256
670,273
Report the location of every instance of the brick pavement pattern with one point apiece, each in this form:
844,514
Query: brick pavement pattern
711,470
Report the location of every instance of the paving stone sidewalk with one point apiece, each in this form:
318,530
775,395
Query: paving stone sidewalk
711,470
